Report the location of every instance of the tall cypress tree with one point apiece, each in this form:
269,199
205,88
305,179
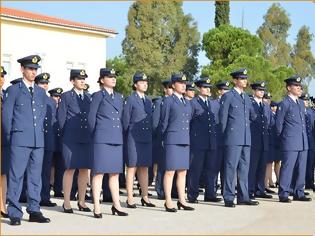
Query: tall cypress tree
160,39
222,13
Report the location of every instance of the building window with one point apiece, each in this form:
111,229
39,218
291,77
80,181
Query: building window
6,63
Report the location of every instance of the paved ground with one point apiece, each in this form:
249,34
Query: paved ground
270,217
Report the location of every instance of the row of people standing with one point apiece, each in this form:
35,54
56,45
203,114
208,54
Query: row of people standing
94,129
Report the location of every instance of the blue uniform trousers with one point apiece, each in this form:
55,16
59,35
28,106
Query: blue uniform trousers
46,170
236,165
59,170
309,177
257,171
293,162
29,160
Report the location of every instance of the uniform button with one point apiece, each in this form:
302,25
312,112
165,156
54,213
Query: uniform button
117,112
46,124
186,128
86,127
183,128
46,118
32,102
143,128
34,124
117,118
84,112
46,131
85,119
34,109
80,112
81,127
117,126
114,126
112,112
58,134
34,117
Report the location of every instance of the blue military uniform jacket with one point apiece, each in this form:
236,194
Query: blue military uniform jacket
4,139
105,118
274,140
260,126
290,125
175,121
50,120
23,122
215,107
137,118
73,117
235,115
310,127
203,126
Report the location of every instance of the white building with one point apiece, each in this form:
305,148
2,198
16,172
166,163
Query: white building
61,44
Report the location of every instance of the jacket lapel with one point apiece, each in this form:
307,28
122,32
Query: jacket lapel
237,96
110,100
25,90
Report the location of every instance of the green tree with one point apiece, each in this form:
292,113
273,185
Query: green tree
303,60
222,13
273,32
124,82
160,39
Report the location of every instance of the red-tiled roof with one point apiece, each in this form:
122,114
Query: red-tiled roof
30,16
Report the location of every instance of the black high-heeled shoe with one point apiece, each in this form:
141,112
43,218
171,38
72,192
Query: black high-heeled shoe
119,213
170,209
99,216
130,205
70,211
277,184
85,209
4,215
186,208
148,204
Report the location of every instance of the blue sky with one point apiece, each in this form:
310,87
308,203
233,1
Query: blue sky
111,14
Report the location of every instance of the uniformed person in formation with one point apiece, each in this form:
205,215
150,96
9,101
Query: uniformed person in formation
105,124
309,178
176,114
157,138
5,152
203,145
260,142
137,124
57,156
235,114
274,154
42,81
222,88
190,90
291,127
73,112
25,108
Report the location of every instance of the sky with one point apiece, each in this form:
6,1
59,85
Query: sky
113,15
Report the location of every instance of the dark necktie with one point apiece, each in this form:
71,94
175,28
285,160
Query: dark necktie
81,97
183,100
297,101
206,102
111,96
31,91
143,101
242,95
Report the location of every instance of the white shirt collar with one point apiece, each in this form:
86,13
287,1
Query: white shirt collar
258,101
27,83
238,90
140,95
78,92
108,91
202,98
178,95
294,98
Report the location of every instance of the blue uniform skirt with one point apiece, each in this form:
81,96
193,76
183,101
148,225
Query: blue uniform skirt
274,154
5,160
77,155
177,157
138,154
107,158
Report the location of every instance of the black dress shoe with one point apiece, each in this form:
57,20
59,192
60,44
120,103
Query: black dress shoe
272,186
58,195
268,190
215,199
302,199
148,204
306,193
69,211
200,190
249,203
85,209
131,205
38,217
15,221
229,204
119,213
194,201
107,199
285,200
4,215
186,208
252,196
170,209
48,204
99,216
263,195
